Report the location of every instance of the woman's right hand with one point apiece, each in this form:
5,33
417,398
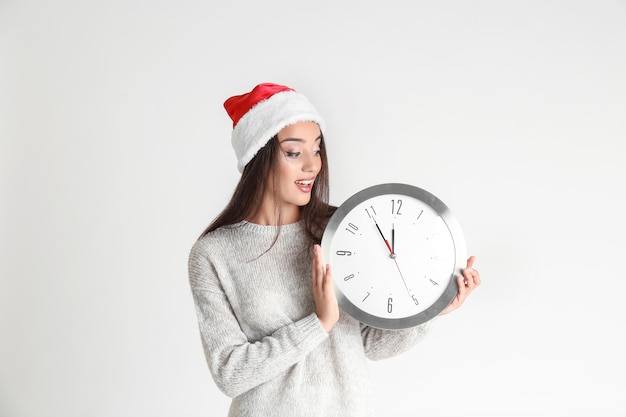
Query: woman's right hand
326,306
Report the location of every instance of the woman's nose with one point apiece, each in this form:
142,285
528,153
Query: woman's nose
311,163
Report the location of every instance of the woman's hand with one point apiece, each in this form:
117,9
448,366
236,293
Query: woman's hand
326,306
467,283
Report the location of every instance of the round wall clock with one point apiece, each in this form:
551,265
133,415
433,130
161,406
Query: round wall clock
395,250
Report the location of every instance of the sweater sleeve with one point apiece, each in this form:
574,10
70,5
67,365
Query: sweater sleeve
236,363
382,344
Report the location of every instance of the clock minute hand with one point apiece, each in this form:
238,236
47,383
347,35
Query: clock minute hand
383,236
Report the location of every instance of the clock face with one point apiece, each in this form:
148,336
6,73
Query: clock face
395,250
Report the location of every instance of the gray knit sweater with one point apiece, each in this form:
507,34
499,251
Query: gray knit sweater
263,342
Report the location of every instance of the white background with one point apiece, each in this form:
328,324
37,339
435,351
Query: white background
115,154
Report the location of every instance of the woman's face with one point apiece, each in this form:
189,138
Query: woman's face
298,164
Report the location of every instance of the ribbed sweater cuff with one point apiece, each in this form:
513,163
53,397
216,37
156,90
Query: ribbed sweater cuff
311,330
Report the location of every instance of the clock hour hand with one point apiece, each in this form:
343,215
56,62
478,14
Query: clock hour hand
393,254
393,240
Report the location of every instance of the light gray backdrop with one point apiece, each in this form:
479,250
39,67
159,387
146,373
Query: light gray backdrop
115,154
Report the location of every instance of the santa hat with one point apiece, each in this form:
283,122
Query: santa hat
260,114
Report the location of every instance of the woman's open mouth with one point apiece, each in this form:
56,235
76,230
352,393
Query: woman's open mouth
305,185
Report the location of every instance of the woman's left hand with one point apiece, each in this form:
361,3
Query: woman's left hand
467,283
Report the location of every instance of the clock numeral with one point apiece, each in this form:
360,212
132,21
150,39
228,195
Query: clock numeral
368,211
419,215
344,253
396,205
368,294
389,305
415,301
352,228
349,277
433,281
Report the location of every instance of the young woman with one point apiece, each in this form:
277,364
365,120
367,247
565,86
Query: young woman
274,337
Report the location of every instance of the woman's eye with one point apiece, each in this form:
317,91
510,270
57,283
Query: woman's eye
317,152
292,154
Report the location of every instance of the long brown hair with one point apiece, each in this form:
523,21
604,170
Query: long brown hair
252,186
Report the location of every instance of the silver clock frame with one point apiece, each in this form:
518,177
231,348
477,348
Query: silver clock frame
453,226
